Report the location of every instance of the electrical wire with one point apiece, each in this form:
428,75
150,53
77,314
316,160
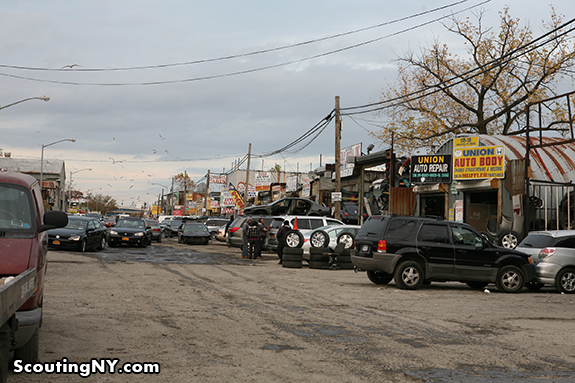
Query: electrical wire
241,55
247,71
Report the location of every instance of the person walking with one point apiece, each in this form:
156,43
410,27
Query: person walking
253,239
281,236
245,243
262,234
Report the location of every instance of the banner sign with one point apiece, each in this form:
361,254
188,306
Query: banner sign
237,197
218,178
430,169
479,162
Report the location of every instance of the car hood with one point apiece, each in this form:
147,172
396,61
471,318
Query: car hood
127,230
63,232
196,234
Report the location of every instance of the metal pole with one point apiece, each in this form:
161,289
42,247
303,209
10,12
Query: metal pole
337,205
248,174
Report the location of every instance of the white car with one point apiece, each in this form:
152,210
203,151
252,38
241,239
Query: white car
336,234
222,235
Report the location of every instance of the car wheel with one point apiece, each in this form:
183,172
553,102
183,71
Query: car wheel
565,281
409,275
294,239
509,239
347,239
510,279
379,277
477,285
319,238
102,244
534,286
28,353
83,245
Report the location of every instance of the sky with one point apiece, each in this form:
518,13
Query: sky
150,89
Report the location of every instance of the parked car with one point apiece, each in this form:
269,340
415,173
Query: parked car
328,237
194,233
289,206
172,227
304,224
349,213
235,232
23,240
130,231
157,231
553,252
110,221
81,233
414,250
222,235
213,224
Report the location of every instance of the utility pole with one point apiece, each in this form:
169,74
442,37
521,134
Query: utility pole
207,191
337,205
248,175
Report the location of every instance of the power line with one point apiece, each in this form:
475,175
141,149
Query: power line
247,71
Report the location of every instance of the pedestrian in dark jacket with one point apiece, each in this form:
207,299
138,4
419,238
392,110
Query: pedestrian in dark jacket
245,242
262,234
281,236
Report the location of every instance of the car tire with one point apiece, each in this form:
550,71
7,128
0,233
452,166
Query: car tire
84,245
379,277
293,239
510,279
292,255
346,238
319,265
477,285
319,238
317,251
509,239
565,281
409,275
102,244
292,264
28,353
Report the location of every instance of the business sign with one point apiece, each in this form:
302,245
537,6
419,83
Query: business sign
464,142
237,197
346,169
430,169
479,162
291,184
218,179
263,181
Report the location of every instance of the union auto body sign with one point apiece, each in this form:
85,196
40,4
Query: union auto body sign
430,169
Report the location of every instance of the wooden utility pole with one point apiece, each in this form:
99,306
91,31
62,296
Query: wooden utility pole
248,174
337,205
207,192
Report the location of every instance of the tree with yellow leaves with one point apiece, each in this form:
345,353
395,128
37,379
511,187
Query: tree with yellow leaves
440,94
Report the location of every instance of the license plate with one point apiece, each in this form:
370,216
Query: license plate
365,248
125,239
55,242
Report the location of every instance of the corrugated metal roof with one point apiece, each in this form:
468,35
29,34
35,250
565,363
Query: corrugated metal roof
31,166
551,163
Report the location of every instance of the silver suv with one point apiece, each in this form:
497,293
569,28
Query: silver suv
554,255
305,223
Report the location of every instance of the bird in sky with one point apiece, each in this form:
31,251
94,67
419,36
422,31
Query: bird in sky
69,66
155,151
166,151
161,136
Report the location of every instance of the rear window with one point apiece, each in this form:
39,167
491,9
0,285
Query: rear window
400,229
373,226
537,241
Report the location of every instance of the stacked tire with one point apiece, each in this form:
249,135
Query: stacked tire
292,257
343,261
319,258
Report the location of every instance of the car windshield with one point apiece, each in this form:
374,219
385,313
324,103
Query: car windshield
194,228
76,224
130,224
14,208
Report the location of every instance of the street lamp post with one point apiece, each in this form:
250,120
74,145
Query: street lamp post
43,98
70,188
42,160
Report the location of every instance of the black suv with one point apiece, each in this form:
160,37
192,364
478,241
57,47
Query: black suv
414,250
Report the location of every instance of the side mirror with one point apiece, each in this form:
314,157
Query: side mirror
54,219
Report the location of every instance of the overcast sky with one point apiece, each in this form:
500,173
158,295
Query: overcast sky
160,104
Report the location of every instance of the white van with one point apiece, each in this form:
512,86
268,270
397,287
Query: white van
305,223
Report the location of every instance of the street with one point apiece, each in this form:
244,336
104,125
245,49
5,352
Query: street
203,314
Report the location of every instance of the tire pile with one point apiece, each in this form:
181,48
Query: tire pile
320,255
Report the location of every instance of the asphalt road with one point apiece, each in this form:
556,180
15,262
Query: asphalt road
203,314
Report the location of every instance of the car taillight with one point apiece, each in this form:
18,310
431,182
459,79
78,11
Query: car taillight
546,252
233,229
382,246
346,214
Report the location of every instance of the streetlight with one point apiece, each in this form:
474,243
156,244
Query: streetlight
70,188
43,98
42,160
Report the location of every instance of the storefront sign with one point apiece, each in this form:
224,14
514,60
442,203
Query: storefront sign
479,162
218,178
464,142
430,169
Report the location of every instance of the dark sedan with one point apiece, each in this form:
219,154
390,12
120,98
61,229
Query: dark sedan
81,233
157,230
194,233
130,231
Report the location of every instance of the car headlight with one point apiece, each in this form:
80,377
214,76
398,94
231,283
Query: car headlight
140,234
74,238
113,232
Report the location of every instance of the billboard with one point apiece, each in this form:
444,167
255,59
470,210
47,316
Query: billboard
479,162
430,169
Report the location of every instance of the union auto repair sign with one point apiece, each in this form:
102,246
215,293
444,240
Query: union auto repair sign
430,169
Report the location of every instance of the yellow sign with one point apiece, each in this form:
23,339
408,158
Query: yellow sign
465,142
479,162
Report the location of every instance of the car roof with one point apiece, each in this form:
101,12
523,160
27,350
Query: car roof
553,233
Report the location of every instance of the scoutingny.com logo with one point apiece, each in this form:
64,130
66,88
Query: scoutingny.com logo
85,369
